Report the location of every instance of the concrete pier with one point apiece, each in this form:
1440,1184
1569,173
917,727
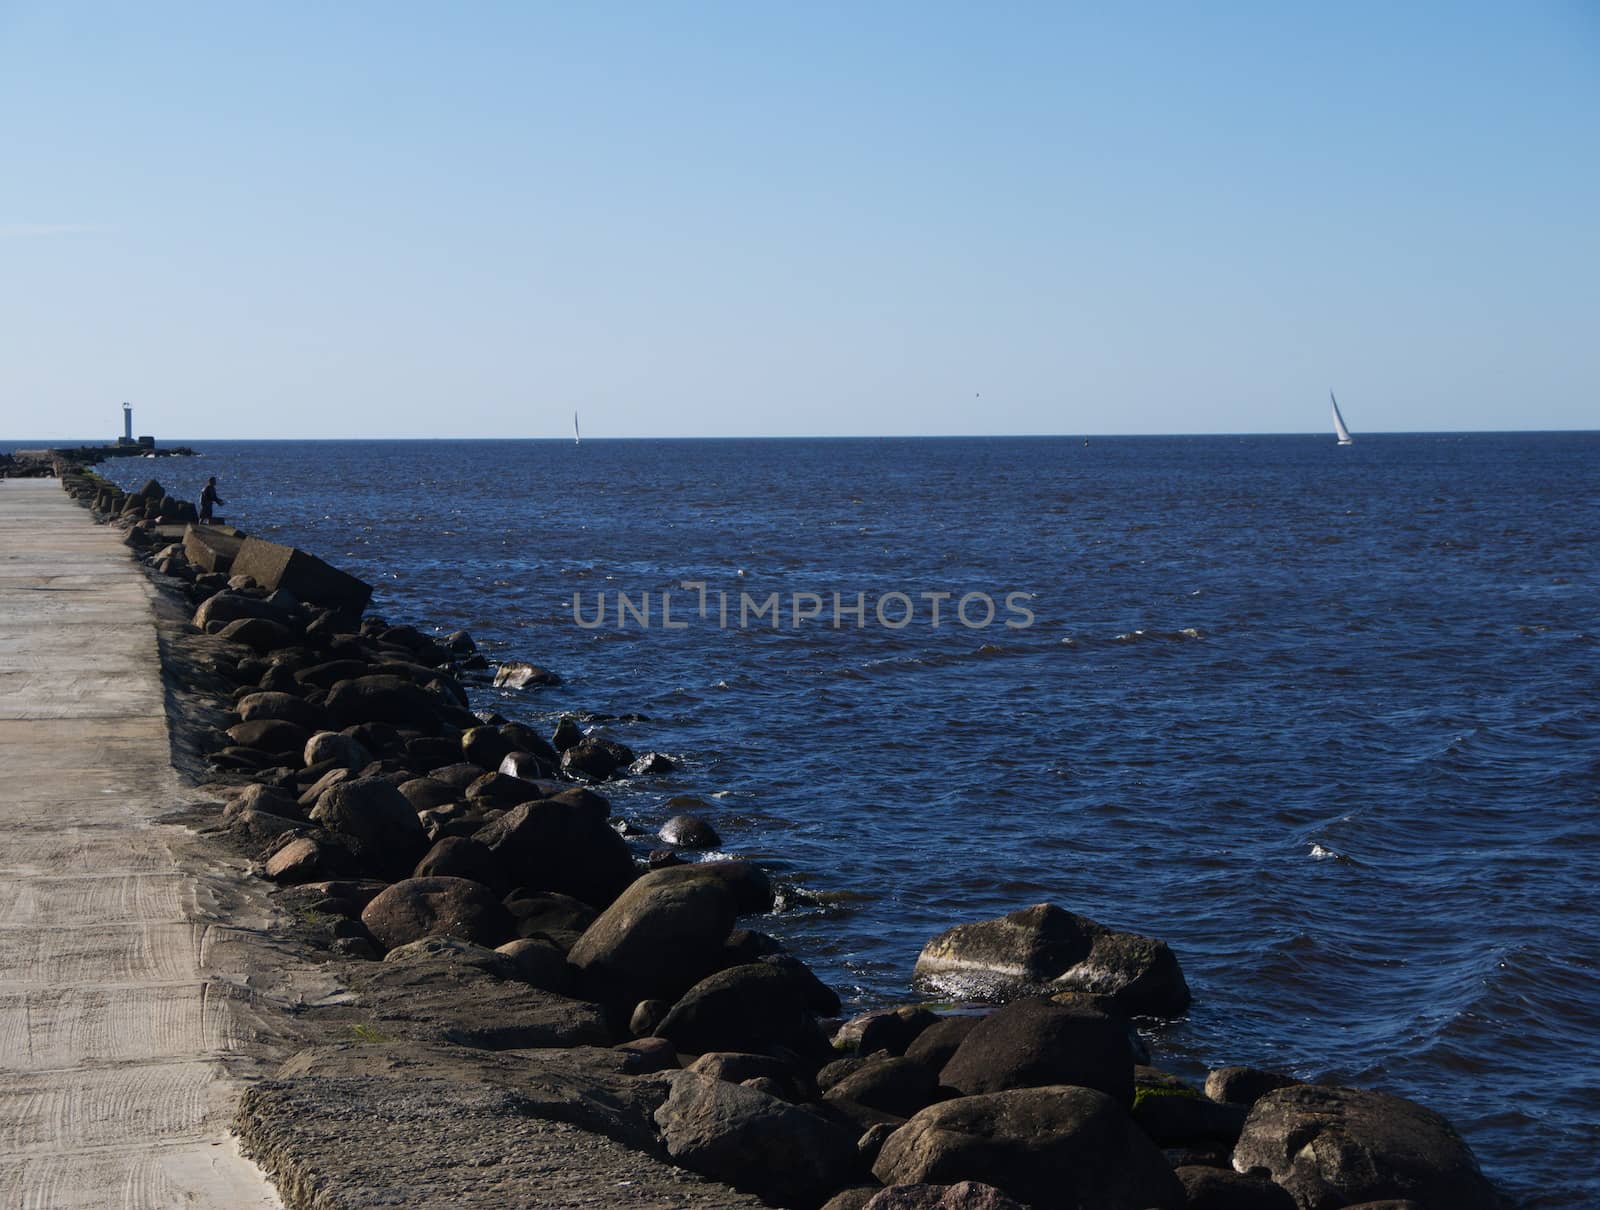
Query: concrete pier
119,981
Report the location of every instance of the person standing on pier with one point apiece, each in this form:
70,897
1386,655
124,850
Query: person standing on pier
209,499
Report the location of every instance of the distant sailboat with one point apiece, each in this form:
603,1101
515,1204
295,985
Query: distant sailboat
1338,423
577,437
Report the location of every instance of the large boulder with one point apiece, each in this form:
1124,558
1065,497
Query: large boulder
263,634
515,674
1031,1043
1055,1147
752,889
550,845
436,907
285,706
1047,947
595,759
897,1086
375,823
1236,1085
382,699
461,857
755,1141
1333,1147
1219,1189
661,937
964,1195
270,735
231,607
745,1008
343,750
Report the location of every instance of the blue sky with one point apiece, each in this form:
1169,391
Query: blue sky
730,219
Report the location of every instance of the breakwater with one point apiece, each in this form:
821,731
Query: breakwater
418,717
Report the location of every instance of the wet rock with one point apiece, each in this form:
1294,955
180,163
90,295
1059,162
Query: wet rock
1244,1085
652,762
1207,1188
415,908
690,832
898,1086
554,846
660,937
567,734
595,759
1035,1042
743,1008
375,822
459,642
1179,1116
1045,945
749,884
527,766
754,1141
270,735
1059,1146
1333,1147
514,674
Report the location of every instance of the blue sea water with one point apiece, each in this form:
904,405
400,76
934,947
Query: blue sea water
1325,719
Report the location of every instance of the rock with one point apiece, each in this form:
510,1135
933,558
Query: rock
283,706
498,790
690,832
854,1198
301,860
737,1068
897,1086
527,766
548,912
754,1141
934,1046
595,759
262,634
485,747
1220,1189
661,937
965,1195
296,571
889,1029
454,949
1035,1042
1244,1085
819,997
375,822
567,734
538,962
259,827
415,908
514,674
647,1014
428,794
326,675
552,845
459,642
751,888
228,607
1059,1146
744,1008
382,699
256,797
653,1055
1179,1116
462,857
652,762
1332,1147
1047,946
270,735
331,745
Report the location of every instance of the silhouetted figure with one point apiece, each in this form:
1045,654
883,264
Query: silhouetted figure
209,499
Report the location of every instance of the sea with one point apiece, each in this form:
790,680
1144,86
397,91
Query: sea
1323,718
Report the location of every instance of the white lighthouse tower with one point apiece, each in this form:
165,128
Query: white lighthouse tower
127,425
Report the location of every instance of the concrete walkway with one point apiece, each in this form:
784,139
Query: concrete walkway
118,985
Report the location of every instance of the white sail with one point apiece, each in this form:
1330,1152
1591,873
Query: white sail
577,437
1338,423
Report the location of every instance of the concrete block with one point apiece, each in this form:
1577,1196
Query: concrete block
210,549
302,574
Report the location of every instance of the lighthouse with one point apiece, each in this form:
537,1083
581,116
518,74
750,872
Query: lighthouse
127,424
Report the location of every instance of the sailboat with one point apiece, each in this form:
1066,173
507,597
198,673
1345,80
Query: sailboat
1338,423
577,437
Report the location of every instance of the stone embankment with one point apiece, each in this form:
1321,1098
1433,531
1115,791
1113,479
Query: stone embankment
547,1008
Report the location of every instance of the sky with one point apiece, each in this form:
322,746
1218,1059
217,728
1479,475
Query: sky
698,219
